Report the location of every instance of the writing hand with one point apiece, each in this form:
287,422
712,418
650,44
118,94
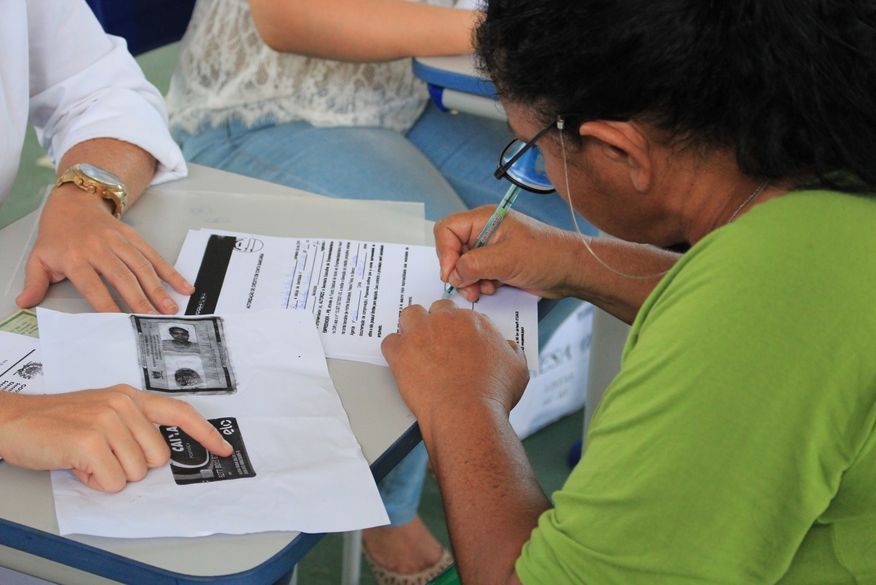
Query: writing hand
106,437
523,252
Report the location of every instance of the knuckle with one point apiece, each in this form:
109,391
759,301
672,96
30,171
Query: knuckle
105,306
389,342
141,305
138,473
91,441
115,485
120,401
140,263
162,456
118,274
185,409
75,258
106,416
158,292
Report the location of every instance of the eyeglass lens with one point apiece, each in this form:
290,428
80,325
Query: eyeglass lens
528,170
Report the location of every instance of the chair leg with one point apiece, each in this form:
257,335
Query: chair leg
351,561
290,578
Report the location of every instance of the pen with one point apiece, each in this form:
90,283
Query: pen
490,227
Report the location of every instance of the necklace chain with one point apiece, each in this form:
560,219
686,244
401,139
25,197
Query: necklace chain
757,191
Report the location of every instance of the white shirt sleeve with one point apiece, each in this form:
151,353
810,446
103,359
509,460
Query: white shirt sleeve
84,84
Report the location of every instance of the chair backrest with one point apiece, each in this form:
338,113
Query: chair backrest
145,24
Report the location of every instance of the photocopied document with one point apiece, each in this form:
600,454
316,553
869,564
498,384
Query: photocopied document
354,290
21,367
261,379
22,322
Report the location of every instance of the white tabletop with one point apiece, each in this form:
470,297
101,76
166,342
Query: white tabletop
215,199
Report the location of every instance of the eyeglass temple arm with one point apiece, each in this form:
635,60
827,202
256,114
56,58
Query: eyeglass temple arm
502,170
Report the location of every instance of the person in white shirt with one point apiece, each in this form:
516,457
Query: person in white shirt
105,127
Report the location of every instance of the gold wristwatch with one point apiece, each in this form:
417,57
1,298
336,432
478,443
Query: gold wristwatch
96,180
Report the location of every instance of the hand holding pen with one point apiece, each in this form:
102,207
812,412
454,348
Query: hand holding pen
500,213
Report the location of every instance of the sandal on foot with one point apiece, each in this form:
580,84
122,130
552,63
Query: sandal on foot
385,576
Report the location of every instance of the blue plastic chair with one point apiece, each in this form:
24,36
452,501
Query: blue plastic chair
145,24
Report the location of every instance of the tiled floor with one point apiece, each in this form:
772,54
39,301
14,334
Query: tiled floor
547,449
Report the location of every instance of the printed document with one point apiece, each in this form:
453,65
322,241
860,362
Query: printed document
354,290
261,379
21,368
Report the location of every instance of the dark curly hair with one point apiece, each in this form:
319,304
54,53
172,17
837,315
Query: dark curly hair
790,85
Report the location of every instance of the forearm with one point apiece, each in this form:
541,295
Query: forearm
491,497
617,294
130,163
356,31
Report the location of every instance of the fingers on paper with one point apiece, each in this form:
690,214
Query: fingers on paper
171,412
442,306
117,270
410,317
162,267
517,349
86,280
103,472
454,234
147,291
36,283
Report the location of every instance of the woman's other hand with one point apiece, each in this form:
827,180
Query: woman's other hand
450,360
106,437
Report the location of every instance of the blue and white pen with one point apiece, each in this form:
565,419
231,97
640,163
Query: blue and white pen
490,227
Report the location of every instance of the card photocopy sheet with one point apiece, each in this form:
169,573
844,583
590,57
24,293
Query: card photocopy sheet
21,367
354,290
261,379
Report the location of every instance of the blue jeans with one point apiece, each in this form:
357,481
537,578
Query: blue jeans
444,161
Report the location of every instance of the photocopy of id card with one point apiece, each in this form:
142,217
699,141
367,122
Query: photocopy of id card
21,367
260,378
355,290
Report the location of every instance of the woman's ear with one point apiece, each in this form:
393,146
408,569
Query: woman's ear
623,143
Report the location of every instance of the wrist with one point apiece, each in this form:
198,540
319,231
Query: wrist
459,418
99,182
573,272
71,195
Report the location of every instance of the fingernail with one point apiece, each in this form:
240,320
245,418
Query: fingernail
455,279
171,306
228,445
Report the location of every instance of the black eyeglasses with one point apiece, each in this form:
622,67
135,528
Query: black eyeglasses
522,163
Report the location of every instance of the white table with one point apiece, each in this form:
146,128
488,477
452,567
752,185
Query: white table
384,426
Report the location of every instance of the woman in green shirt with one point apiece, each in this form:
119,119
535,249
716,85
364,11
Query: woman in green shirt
737,443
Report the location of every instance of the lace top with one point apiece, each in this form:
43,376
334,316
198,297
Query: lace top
226,70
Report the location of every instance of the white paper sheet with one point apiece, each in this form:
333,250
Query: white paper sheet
21,368
310,474
354,290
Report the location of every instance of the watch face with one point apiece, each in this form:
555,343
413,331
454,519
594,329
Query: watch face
100,175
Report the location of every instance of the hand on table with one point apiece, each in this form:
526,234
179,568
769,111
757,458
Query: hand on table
80,239
451,358
106,437
523,252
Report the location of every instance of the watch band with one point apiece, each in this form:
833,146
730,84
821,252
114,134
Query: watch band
96,180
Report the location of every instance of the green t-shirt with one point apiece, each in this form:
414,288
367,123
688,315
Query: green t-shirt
737,444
